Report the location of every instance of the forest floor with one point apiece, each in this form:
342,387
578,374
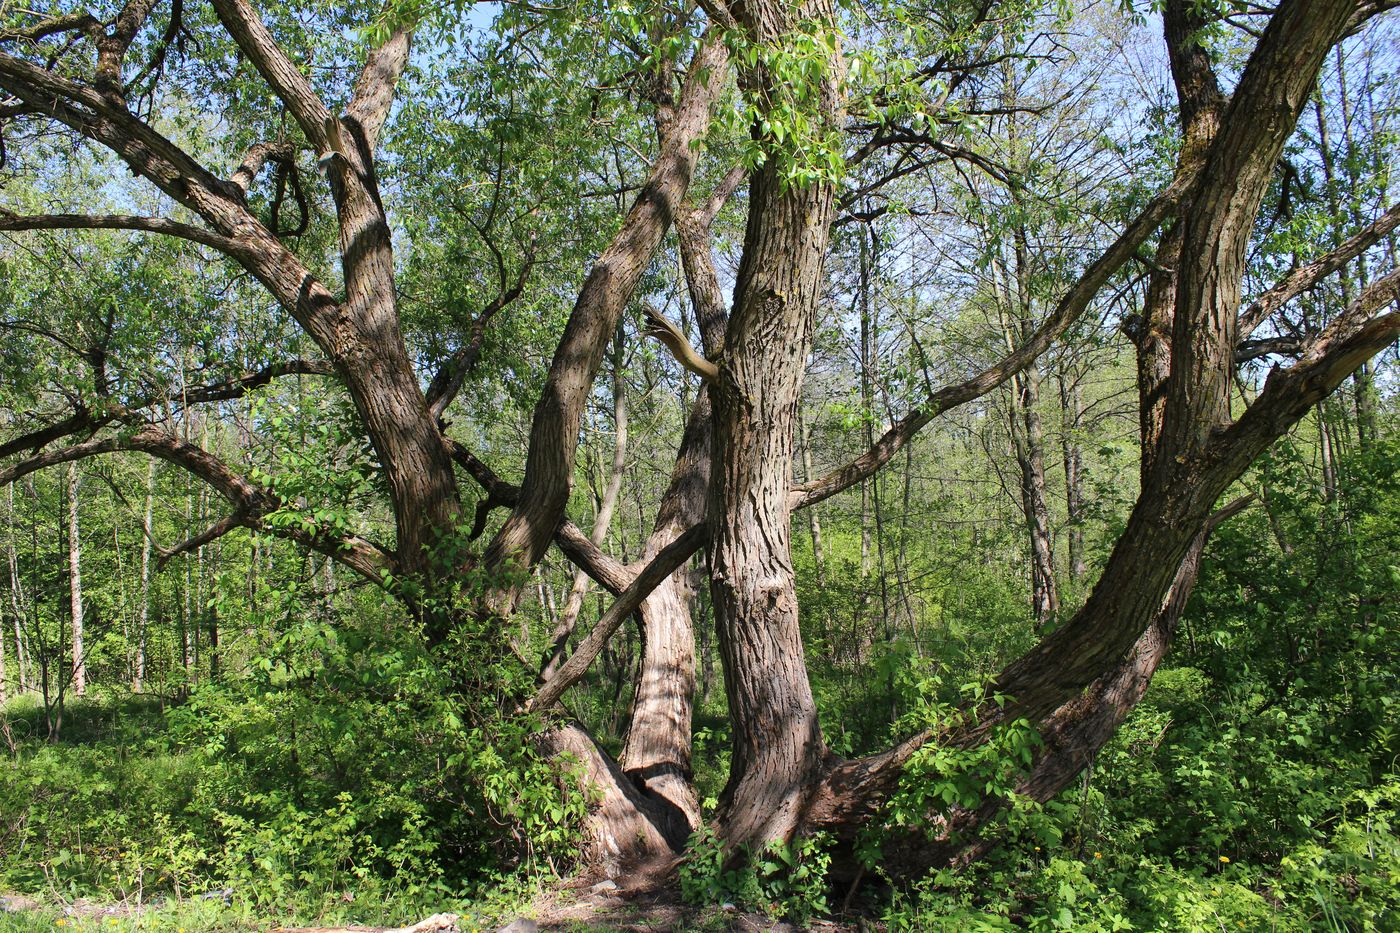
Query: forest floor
569,911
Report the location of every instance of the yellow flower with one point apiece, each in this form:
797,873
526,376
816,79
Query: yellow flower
1037,848
1225,860
1098,855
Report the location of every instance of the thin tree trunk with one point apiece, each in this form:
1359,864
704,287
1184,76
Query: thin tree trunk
1072,406
1028,441
23,673
75,581
139,677
607,503
814,530
1035,509
212,609
200,598
814,521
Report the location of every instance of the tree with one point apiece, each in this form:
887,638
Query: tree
809,104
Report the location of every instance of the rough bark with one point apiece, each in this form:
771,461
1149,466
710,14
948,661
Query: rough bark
778,750
544,491
1198,452
657,750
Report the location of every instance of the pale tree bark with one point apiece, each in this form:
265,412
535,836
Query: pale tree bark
143,618
657,750
75,581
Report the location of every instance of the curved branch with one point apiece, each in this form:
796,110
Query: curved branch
629,601
1071,306
1328,358
610,284
251,502
1309,275
447,382
660,328
172,170
212,533
228,390
256,159
77,21
19,222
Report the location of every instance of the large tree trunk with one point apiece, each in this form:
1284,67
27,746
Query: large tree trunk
778,752
657,753
549,465
1079,682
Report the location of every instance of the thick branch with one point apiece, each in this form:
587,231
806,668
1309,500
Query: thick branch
1071,306
255,159
281,74
653,575
610,285
17,222
608,571
249,500
176,173
1268,346
112,46
374,89
1308,276
80,21
1334,354
670,336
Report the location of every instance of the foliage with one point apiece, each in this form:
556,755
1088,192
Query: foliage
1256,785
784,880
336,770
